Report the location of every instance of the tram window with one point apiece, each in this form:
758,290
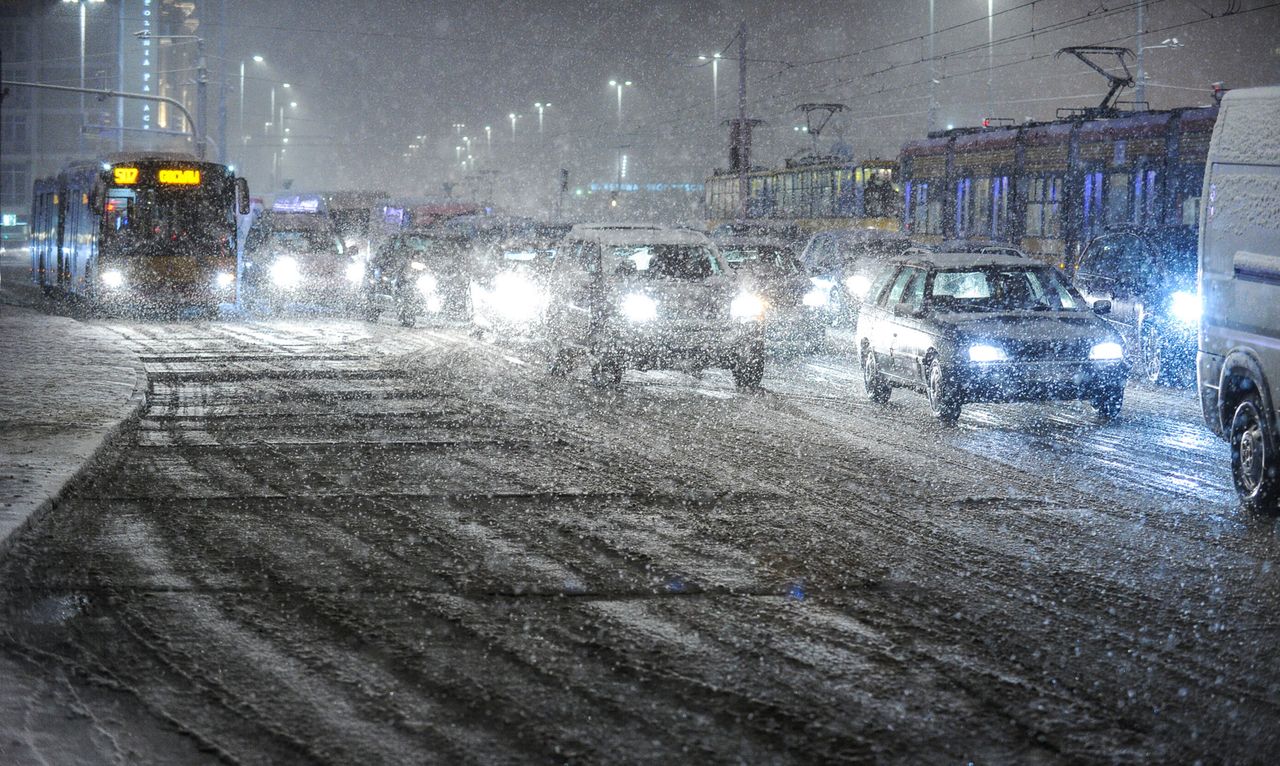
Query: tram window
1117,197
1043,207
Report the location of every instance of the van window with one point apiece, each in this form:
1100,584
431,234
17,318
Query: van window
899,285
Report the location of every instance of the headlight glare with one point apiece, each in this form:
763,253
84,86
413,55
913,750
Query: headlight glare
355,272
427,284
984,352
1108,351
1186,307
285,273
516,297
112,278
224,279
639,307
817,297
746,306
858,286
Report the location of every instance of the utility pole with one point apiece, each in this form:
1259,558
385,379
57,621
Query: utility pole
932,119
744,130
1141,92
222,82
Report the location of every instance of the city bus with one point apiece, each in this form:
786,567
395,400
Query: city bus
139,230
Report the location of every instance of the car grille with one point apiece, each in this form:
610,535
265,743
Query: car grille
1049,350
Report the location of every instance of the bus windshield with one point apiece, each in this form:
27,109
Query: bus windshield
142,215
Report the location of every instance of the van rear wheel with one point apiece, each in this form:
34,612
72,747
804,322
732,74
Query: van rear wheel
1253,457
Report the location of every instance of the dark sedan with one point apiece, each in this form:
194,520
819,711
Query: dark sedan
987,328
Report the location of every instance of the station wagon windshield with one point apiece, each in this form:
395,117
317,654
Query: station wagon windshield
1003,289
686,262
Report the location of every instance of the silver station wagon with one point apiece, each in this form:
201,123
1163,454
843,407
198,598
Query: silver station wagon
965,327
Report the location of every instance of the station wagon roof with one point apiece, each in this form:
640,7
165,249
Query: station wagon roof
637,234
968,260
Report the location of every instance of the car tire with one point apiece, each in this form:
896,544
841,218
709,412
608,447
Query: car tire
407,318
1108,403
561,363
748,367
606,370
944,400
874,382
1253,457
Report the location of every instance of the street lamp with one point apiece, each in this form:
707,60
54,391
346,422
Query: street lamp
1140,94
540,107
257,59
513,117
488,138
83,23
202,83
715,84
620,84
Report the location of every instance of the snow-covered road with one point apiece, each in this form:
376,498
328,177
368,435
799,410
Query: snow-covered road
333,542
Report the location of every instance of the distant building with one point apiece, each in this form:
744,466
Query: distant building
41,131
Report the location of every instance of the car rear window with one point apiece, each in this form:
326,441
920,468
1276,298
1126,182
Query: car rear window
688,262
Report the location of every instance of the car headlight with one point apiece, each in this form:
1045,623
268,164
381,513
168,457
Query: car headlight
984,352
858,286
746,306
224,279
516,297
1186,307
285,272
639,307
822,282
427,284
112,278
1108,351
355,272
417,265
817,297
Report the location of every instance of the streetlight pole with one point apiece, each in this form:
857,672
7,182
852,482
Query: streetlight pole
84,21
488,139
257,60
513,117
540,107
715,85
619,84
990,50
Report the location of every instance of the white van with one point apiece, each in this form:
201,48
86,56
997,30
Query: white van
1238,362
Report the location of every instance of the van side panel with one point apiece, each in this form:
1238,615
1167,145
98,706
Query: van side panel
1240,251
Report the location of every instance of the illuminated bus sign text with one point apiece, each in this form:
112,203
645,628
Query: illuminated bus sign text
178,176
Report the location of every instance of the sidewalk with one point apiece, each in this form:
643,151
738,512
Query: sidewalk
65,389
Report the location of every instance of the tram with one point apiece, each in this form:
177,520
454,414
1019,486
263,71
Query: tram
1048,188
135,230
813,193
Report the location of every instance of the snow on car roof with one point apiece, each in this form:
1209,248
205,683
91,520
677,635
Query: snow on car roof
637,234
965,260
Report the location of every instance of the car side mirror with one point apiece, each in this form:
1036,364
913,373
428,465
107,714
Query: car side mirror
242,196
1102,307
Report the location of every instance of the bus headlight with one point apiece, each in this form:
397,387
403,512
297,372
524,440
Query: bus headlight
355,272
746,306
1185,307
427,284
639,307
224,279
112,278
285,273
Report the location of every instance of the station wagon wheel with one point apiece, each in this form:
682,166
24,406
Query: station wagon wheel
873,381
944,401
1253,458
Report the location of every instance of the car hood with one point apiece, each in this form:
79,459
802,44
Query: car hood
1028,327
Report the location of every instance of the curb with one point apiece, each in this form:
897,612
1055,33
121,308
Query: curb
110,436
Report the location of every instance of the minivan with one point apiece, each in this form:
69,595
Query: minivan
1238,359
